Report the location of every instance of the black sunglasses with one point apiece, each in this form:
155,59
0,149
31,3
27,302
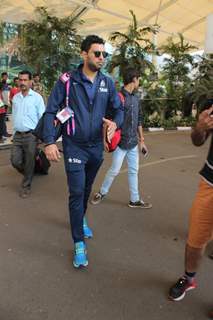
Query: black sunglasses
97,54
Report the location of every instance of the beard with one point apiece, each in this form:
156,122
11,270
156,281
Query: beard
93,67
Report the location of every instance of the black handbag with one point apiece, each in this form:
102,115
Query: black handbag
39,129
42,164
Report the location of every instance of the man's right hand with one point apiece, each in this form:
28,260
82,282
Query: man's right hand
205,123
52,152
205,120
110,128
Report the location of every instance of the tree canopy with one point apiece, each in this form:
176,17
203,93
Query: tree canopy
132,47
50,45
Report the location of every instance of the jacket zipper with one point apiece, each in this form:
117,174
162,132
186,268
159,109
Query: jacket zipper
90,111
91,105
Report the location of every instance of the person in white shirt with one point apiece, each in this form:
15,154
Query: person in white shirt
28,107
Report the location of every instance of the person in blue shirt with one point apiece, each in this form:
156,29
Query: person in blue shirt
92,95
131,143
28,107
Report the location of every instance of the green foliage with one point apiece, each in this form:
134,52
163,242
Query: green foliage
50,45
203,88
133,47
178,52
171,123
176,71
183,122
8,45
1,33
151,123
155,100
13,71
7,32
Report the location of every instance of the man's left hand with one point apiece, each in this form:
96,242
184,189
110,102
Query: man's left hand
111,128
143,146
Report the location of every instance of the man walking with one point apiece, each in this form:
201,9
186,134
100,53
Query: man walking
2,117
5,92
201,215
28,107
132,135
91,95
37,86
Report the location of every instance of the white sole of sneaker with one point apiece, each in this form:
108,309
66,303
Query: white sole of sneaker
77,266
93,202
130,206
182,296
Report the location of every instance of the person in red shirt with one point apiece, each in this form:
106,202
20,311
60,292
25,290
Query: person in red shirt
2,117
14,89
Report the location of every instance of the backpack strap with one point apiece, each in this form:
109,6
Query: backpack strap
121,96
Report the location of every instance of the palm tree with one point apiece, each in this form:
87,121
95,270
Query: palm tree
177,66
176,71
133,47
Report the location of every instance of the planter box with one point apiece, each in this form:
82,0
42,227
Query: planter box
184,128
155,129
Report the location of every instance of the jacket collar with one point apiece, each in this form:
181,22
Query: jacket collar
76,74
126,93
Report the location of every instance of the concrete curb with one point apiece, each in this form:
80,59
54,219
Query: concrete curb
184,128
155,129
168,129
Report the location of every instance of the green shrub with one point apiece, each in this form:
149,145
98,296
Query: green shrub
170,123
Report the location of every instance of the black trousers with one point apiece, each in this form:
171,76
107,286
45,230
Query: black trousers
23,156
2,125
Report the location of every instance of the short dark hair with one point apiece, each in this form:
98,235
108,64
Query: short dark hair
36,75
129,74
14,79
89,40
26,72
4,74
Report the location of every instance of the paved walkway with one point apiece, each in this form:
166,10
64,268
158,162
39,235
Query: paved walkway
135,254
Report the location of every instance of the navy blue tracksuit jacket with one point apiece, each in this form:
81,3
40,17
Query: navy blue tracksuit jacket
83,151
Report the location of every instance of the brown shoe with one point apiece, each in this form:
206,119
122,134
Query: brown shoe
24,193
140,204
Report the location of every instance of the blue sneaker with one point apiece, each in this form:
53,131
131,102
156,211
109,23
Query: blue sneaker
87,231
80,255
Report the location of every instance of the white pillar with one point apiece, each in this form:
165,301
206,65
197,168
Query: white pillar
154,56
209,35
